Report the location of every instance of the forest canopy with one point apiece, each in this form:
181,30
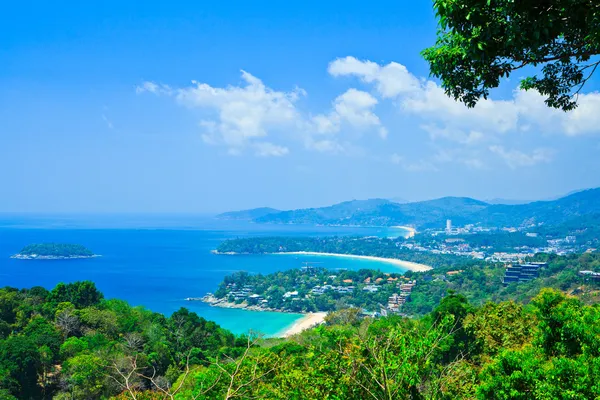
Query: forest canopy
100,349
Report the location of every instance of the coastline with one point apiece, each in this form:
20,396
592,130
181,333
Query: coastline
411,231
304,321
409,265
213,301
38,257
308,321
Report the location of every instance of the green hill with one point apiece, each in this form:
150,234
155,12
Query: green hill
380,212
346,213
553,212
433,213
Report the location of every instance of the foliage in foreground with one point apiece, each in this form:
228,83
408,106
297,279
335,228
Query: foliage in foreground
71,343
58,345
547,350
482,41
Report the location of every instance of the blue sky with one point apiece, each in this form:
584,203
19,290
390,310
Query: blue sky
211,106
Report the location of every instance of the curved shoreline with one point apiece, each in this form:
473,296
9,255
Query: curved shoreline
411,231
305,322
409,265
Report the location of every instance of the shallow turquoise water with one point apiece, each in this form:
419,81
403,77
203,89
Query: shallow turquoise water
159,268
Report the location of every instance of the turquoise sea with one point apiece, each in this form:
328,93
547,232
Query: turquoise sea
158,261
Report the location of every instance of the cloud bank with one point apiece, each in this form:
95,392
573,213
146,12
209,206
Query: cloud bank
255,118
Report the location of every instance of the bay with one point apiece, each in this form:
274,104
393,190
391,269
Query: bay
158,261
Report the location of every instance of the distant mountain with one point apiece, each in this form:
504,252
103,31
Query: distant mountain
381,212
400,200
433,213
338,214
550,198
246,215
507,201
552,212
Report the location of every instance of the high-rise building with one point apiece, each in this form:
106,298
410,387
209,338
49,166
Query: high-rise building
448,226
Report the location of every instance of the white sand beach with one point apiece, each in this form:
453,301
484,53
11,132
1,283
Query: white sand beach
411,231
411,266
306,322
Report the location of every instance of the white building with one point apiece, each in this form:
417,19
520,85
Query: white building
448,226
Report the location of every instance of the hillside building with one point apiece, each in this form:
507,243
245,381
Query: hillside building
522,272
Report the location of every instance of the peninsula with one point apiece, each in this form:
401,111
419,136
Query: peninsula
53,251
369,248
313,290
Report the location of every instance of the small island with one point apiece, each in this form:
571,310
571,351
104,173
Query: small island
53,251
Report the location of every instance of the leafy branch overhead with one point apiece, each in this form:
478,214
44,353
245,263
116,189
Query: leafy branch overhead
482,41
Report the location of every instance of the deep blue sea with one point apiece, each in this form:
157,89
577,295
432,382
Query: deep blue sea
158,261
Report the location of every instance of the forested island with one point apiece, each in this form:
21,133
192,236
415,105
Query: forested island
53,251
360,246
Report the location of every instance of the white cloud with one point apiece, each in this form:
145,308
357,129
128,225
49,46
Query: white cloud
468,156
474,163
390,80
266,149
253,117
353,108
420,166
152,87
243,113
453,134
525,111
516,158
475,130
325,146
417,166
534,113
239,115
109,123
432,104
585,118
396,159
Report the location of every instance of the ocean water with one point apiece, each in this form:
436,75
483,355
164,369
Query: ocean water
157,262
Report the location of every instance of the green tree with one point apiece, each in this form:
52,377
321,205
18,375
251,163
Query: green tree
43,333
481,41
566,328
20,365
81,294
499,326
459,342
513,375
85,376
73,346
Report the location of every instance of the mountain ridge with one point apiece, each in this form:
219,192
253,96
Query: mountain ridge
434,213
